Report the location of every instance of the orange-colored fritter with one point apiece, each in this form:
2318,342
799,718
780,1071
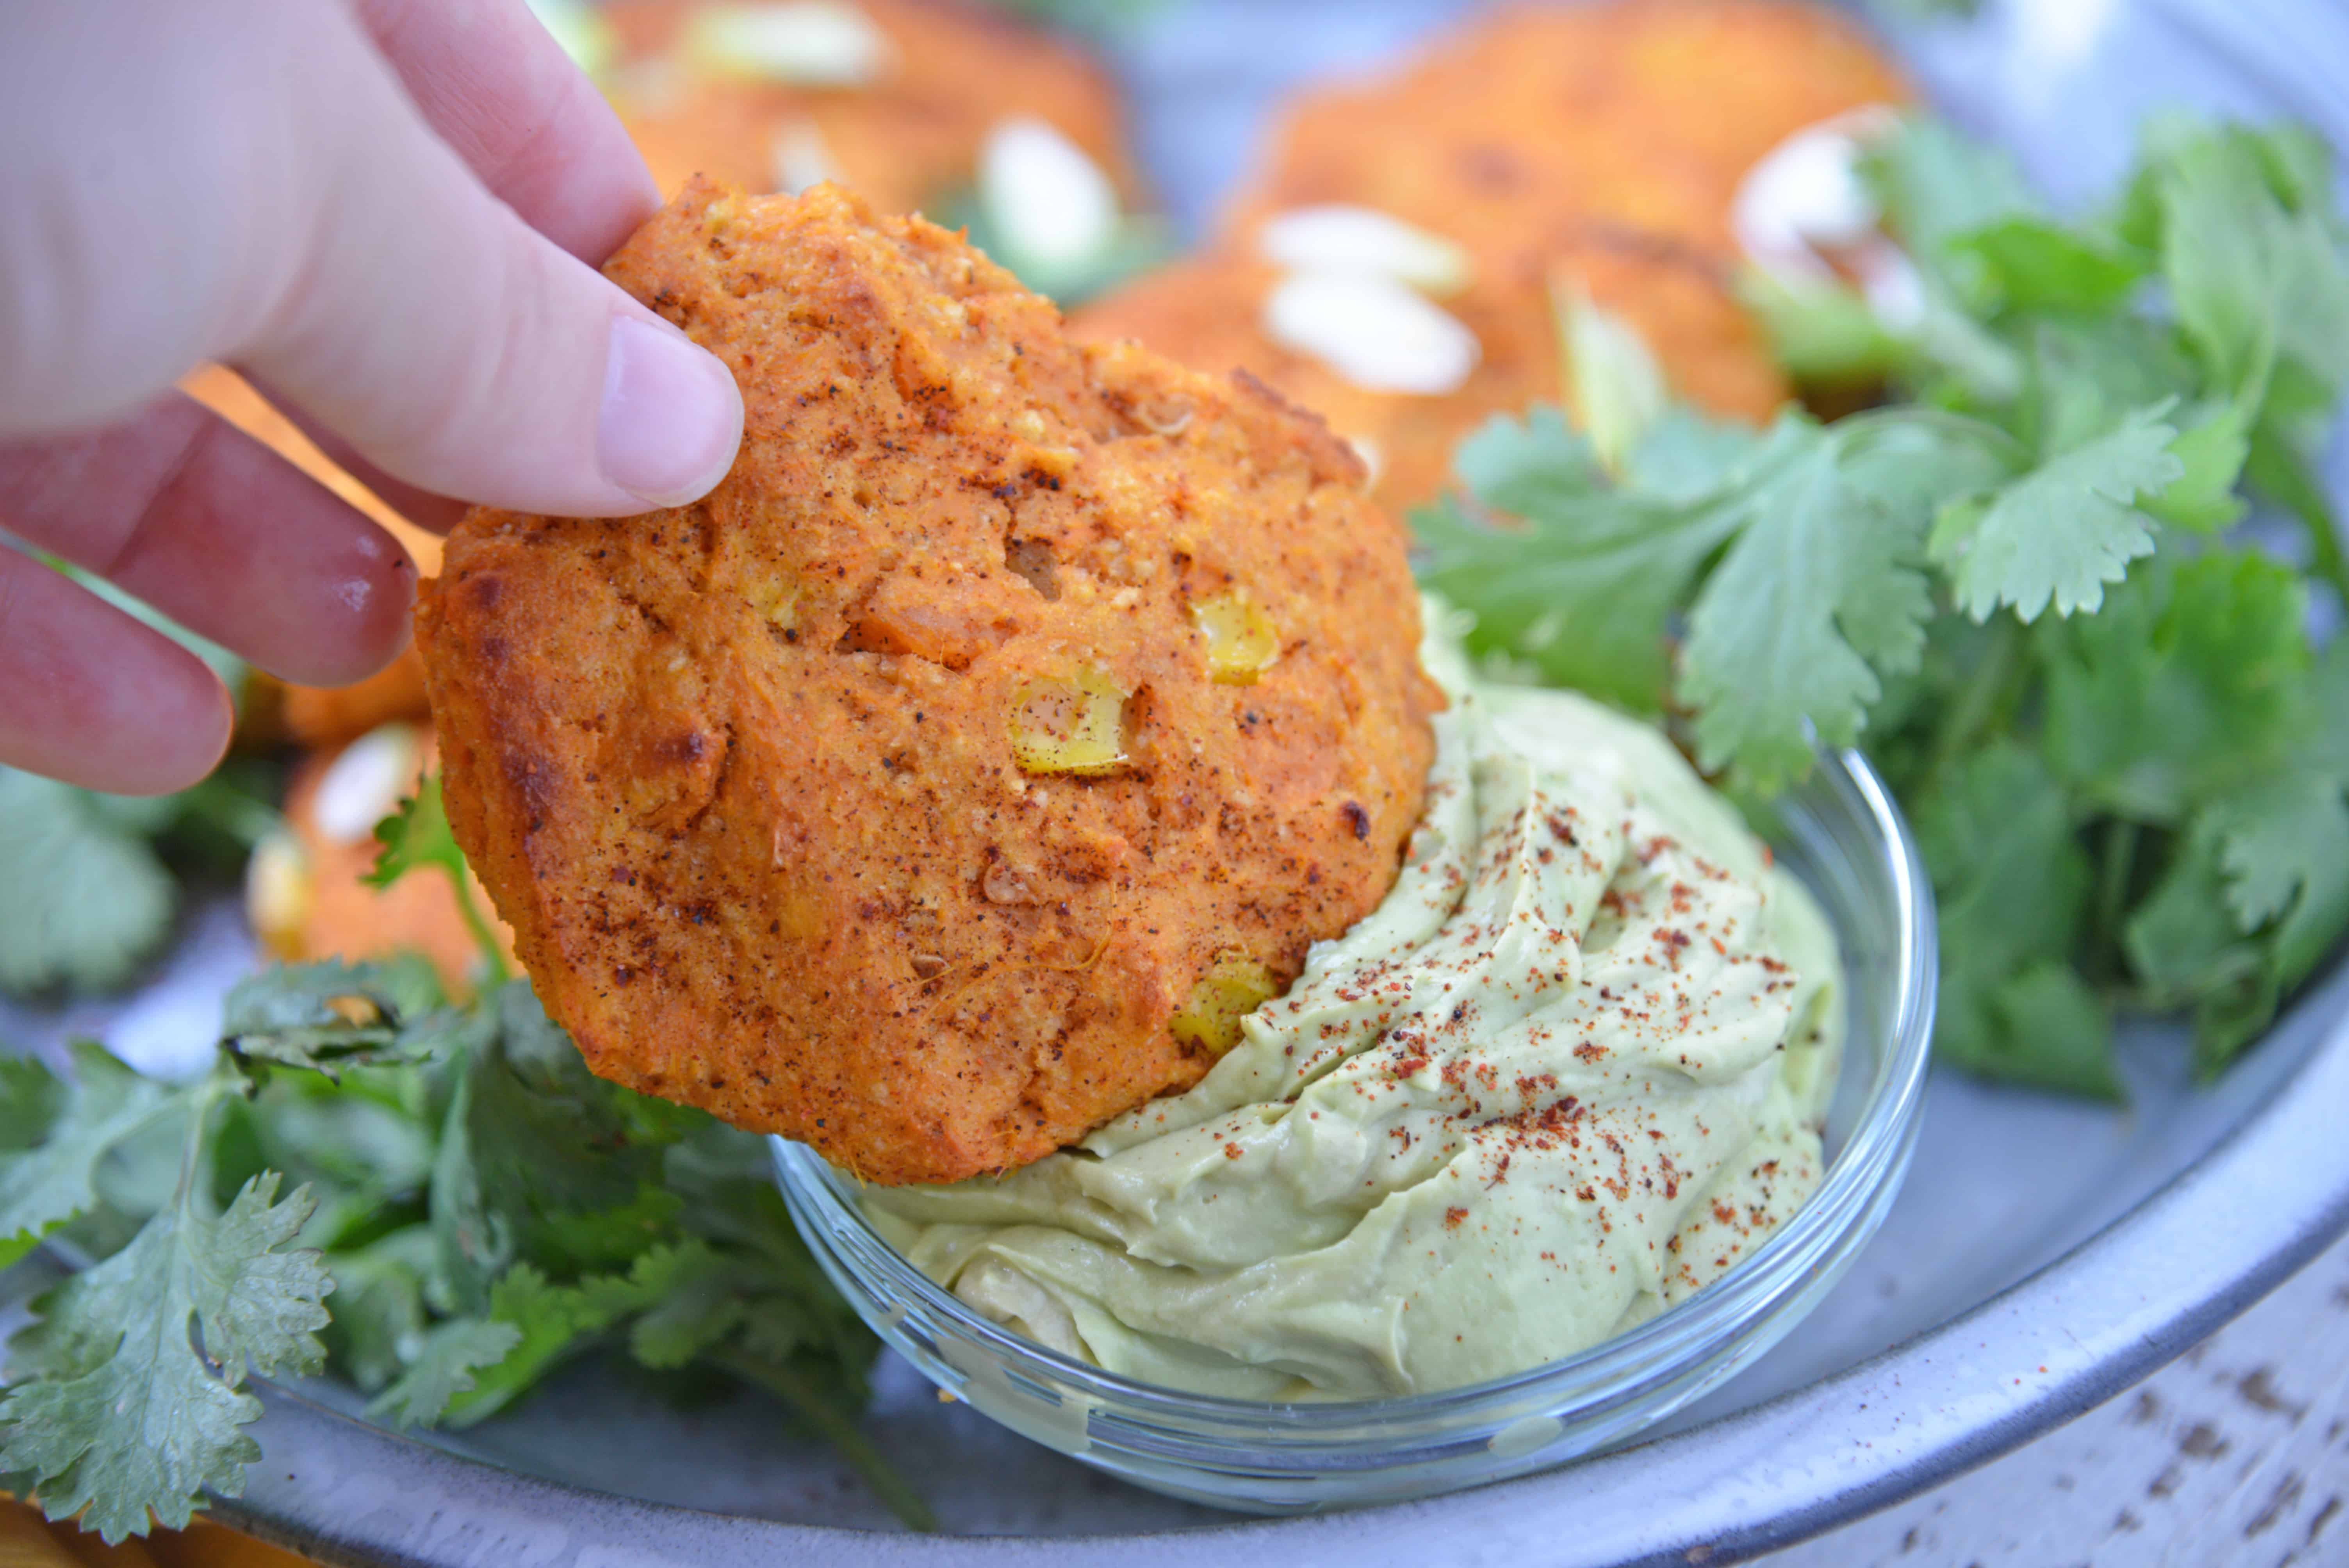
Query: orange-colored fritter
1596,147
1639,115
1206,310
907,139
307,896
887,798
328,716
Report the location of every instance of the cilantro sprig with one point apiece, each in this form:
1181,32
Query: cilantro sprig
418,836
472,1210
125,1395
2013,584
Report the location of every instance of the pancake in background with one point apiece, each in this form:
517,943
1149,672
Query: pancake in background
1579,149
306,893
894,98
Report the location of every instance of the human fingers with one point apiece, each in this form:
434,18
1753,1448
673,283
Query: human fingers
89,695
273,422
495,86
459,349
286,208
181,509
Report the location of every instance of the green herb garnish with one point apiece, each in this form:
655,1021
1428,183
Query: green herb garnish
2109,723
472,1210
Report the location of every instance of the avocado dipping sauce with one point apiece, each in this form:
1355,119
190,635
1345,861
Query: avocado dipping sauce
1572,1070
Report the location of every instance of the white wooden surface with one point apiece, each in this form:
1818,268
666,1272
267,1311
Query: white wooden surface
2236,1456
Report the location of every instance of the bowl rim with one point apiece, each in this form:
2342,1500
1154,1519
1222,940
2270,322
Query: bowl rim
1835,1220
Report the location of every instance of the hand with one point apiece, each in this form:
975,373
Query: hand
386,213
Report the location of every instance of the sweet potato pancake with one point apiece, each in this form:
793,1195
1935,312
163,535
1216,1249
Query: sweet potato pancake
1011,718
903,127
307,894
1587,146
1207,311
1635,115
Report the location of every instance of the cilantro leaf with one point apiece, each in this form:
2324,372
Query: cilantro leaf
2031,264
2253,255
1528,467
116,1411
2013,884
2186,948
696,1301
2185,686
2283,839
2061,532
2084,375
1584,588
540,1161
379,1315
2136,800
2283,850
2257,891
1820,593
2286,476
1683,456
1936,184
415,836
31,1099
2211,454
87,900
573,1241
444,1367
2256,257
332,1015
550,1322
418,836
549,1135
2047,1029
48,1180
496,1210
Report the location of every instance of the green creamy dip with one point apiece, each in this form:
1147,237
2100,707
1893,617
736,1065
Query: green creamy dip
1570,1070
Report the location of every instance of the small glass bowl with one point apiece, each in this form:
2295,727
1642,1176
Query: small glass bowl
1843,836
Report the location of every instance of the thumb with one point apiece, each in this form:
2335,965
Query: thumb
456,347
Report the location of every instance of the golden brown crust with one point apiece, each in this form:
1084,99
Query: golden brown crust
740,775
908,140
1597,145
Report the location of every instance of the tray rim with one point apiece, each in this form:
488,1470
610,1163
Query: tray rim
2266,1198
2270,1195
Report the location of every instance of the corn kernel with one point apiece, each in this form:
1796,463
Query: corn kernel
277,886
1224,994
1073,724
1242,643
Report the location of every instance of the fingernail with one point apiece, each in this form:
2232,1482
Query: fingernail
671,418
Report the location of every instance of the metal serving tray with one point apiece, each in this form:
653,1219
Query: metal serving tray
2043,1256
